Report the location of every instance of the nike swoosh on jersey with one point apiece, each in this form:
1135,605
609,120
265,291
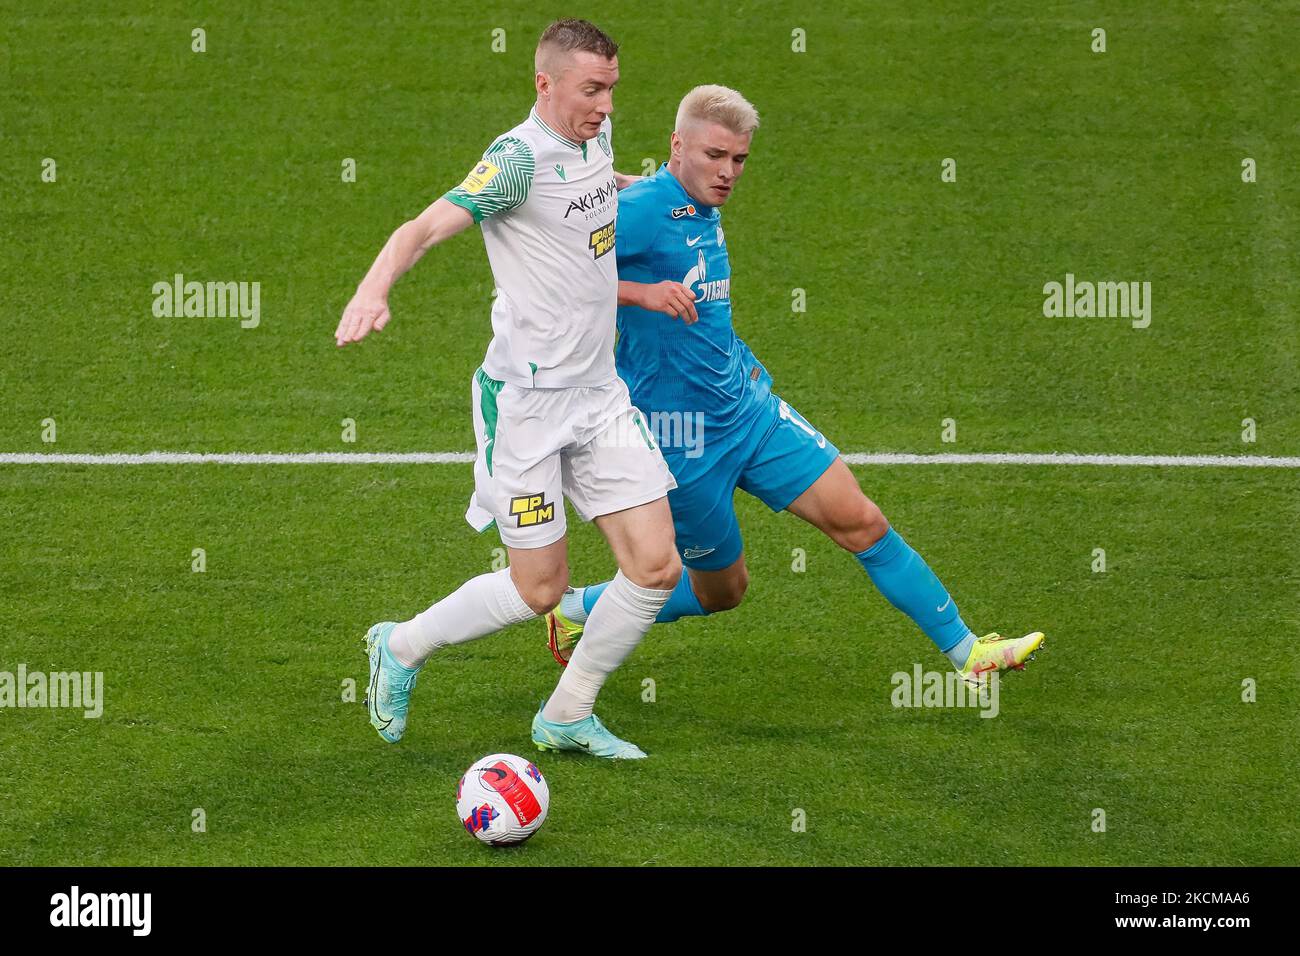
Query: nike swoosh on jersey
692,242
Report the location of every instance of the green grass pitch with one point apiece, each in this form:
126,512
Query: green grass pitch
223,690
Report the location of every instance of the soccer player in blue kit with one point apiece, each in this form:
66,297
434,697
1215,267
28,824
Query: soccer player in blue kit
673,264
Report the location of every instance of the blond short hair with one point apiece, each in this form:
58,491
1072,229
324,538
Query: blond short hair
717,104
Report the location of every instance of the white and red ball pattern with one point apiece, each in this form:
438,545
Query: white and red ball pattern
502,799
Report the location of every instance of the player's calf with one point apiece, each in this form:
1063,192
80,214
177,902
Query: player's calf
857,524
836,506
721,590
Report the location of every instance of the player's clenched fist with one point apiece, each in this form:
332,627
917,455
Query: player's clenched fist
670,298
366,311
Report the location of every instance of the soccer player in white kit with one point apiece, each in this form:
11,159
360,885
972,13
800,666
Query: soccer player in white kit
551,416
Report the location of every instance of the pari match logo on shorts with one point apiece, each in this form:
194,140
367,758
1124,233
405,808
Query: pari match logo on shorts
530,510
480,176
601,240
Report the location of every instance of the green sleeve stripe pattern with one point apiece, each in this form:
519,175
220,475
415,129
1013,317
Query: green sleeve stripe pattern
504,191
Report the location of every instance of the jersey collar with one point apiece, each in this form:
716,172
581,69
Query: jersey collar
680,197
556,136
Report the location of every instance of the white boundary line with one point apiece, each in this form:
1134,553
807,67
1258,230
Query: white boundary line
1068,458
465,457
245,458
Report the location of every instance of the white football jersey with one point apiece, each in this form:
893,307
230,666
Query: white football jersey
548,208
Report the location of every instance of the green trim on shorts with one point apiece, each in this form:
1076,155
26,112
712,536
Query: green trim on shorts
644,434
490,388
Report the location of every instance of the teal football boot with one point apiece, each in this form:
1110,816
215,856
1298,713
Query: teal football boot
586,736
389,695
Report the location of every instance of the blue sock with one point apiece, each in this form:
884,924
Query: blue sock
681,603
907,582
589,595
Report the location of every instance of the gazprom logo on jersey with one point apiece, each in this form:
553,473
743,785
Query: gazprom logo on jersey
717,290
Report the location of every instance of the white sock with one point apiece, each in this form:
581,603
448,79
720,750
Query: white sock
480,606
575,695
961,650
617,623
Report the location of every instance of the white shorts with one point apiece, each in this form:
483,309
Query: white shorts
537,446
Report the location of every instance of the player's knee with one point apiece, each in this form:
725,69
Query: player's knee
865,526
660,572
543,592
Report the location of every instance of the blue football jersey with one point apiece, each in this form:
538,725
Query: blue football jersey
669,366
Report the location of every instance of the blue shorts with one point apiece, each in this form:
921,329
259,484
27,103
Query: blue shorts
775,455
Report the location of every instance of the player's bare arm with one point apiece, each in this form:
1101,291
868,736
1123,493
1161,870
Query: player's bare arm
671,298
368,309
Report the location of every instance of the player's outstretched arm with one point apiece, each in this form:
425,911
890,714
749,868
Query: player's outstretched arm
671,298
623,180
369,306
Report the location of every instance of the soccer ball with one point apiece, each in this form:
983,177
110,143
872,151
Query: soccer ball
502,799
